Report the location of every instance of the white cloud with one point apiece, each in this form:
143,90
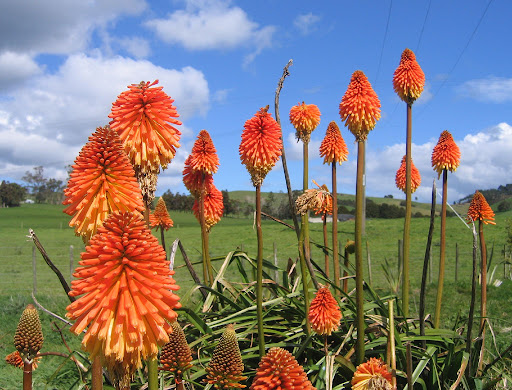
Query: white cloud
57,26
51,120
15,68
137,47
491,89
212,25
306,23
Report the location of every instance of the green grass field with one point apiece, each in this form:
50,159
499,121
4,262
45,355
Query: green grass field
63,247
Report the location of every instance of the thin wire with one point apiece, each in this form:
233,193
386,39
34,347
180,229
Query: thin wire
384,41
423,27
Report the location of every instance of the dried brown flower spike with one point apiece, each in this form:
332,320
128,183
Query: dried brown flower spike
28,339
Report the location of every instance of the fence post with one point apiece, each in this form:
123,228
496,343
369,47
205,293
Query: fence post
456,261
276,273
34,273
71,263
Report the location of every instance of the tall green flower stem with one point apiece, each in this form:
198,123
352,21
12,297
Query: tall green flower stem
259,276
207,265
442,249
153,373
335,257
469,339
392,342
162,238
326,243
305,220
27,375
407,222
483,296
359,252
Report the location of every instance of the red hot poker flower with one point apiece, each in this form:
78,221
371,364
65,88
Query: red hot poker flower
446,154
126,294
360,106
278,370
305,118
204,156
144,117
102,181
373,374
400,176
324,312
479,209
333,147
408,79
195,181
213,206
160,218
261,145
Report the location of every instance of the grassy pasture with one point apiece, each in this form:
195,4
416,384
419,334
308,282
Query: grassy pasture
50,225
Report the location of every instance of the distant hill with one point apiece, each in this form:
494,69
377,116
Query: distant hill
500,198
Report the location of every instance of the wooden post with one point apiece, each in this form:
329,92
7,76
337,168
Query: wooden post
71,263
34,273
276,273
456,261
369,263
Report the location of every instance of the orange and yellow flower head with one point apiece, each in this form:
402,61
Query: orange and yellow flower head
125,293
446,154
408,79
305,118
204,155
278,370
225,368
145,118
333,147
160,217
479,210
324,312
400,176
213,206
360,106
102,182
371,375
194,180
261,145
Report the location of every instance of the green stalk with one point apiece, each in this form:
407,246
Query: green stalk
305,220
483,296
359,253
27,375
335,257
469,339
304,273
162,239
407,221
439,298
326,243
207,265
153,373
259,276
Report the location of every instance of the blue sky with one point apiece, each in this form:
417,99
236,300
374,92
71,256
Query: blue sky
63,63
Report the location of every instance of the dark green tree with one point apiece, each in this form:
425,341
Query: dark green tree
11,194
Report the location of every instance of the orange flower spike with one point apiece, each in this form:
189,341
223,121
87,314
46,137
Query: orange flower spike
126,294
213,206
333,147
102,181
446,154
305,118
400,177
193,179
323,204
324,312
373,374
360,106
408,79
479,210
261,145
204,156
278,370
160,218
144,117
176,356
225,368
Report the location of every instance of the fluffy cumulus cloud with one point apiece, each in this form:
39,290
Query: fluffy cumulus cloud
306,23
48,122
15,68
57,26
212,25
491,89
